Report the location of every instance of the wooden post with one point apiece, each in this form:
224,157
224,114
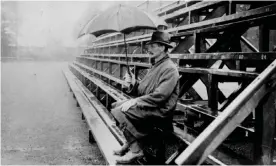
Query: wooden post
263,38
141,48
101,68
228,120
120,73
259,112
97,92
212,93
189,18
107,103
265,130
265,114
231,7
197,42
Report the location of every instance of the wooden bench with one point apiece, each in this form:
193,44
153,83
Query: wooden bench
100,131
173,141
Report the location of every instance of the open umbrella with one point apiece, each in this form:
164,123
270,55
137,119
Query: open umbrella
83,31
124,19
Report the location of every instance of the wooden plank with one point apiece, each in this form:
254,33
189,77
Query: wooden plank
208,56
188,139
249,22
120,62
119,42
102,74
105,139
169,8
114,55
136,39
229,18
106,116
104,86
227,56
197,6
221,72
228,120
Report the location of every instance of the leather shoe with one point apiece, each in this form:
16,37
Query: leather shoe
122,151
129,157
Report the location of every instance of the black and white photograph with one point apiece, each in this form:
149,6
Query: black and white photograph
145,82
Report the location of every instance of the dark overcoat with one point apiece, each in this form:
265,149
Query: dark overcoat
156,95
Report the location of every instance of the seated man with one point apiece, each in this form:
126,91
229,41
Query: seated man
156,98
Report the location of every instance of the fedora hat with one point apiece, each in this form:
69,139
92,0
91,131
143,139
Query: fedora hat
160,37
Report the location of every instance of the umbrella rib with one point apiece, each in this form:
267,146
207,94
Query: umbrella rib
118,13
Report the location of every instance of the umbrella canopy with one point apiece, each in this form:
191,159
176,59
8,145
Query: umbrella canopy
124,19
84,29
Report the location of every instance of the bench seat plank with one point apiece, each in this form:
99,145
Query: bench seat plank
105,139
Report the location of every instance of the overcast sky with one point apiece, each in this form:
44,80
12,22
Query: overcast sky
57,22
43,23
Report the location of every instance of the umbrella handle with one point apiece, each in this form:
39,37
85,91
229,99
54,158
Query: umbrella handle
128,70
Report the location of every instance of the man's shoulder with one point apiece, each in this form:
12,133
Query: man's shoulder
169,65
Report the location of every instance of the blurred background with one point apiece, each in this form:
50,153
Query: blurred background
48,30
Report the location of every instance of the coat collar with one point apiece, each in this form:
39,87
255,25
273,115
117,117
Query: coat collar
164,57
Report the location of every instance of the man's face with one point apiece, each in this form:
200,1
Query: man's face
155,50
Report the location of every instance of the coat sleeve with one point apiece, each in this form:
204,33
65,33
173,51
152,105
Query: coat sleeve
167,83
133,90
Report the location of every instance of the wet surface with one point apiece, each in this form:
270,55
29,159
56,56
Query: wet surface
40,122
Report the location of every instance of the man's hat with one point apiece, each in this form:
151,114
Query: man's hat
160,37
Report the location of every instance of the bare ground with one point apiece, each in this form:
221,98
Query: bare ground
40,123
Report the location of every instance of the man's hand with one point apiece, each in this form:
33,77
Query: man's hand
130,79
126,105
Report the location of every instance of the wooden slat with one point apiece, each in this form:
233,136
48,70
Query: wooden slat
197,6
102,74
226,19
228,120
208,56
105,139
188,139
227,56
117,42
104,86
250,22
103,113
120,62
221,72
138,40
116,55
171,7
